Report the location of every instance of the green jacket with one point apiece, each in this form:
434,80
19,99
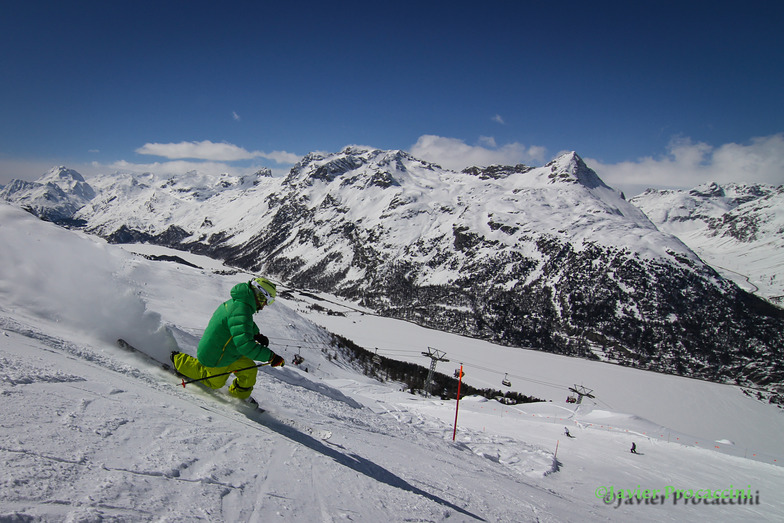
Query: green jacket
229,335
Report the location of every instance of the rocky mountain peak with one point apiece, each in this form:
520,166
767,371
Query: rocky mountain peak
56,196
61,173
708,190
570,168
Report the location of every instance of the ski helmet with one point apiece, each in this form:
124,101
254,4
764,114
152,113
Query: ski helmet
264,290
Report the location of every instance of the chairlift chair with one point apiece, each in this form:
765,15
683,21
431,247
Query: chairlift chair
505,382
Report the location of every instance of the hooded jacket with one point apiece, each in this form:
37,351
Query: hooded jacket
229,334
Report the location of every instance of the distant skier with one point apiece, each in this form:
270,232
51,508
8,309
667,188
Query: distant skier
233,341
634,448
566,431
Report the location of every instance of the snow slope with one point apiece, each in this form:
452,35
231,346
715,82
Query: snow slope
89,432
737,228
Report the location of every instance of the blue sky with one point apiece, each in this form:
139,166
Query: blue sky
649,93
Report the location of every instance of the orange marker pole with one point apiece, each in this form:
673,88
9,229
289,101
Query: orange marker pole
457,406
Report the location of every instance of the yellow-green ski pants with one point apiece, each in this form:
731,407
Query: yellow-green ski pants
240,388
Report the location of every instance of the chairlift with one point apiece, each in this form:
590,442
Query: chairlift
376,358
297,359
581,392
505,382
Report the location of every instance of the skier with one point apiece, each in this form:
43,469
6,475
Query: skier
233,341
566,431
634,448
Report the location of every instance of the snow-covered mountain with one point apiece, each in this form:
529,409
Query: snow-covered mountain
90,432
737,228
56,196
548,257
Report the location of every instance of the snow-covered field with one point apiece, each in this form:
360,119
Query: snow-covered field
89,432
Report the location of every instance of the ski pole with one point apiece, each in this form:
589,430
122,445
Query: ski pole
222,374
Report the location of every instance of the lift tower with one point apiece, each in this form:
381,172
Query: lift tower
435,356
582,392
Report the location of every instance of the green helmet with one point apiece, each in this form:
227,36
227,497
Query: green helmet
264,290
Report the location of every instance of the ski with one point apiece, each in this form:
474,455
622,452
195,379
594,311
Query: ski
130,348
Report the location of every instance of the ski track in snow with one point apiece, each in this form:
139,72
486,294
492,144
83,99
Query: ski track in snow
93,420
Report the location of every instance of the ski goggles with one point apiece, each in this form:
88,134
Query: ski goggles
261,290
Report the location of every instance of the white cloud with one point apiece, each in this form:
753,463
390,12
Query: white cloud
455,154
280,157
235,115
204,150
488,141
205,157
687,164
499,119
208,150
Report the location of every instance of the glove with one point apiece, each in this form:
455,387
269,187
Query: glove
262,340
276,361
